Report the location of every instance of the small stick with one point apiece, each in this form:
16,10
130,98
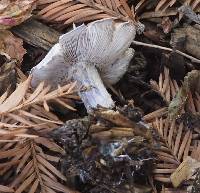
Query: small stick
167,49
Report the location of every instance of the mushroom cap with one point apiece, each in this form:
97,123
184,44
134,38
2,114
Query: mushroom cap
101,42
52,69
112,73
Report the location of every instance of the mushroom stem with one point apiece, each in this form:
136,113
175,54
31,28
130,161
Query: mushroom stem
95,92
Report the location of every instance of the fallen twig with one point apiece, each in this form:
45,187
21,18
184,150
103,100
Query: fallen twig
167,49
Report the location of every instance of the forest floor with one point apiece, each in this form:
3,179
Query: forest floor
150,140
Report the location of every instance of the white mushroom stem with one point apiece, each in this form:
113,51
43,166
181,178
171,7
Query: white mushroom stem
94,92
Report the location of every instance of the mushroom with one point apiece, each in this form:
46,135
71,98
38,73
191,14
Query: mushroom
92,55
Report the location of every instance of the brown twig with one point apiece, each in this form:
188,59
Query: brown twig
193,59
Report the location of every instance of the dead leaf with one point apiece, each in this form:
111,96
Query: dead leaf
185,171
6,189
51,168
15,98
15,12
11,45
26,183
49,144
69,11
7,78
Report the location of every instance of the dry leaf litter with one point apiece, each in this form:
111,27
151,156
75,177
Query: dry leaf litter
99,96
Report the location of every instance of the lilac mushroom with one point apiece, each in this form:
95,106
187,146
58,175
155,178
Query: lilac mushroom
92,55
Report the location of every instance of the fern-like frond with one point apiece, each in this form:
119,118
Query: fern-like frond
71,11
5,189
168,89
27,163
165,86
35,169
163,5
25,109
22,98
178,139
176,144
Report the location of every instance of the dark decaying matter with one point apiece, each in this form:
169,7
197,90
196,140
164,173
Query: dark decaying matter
106,152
